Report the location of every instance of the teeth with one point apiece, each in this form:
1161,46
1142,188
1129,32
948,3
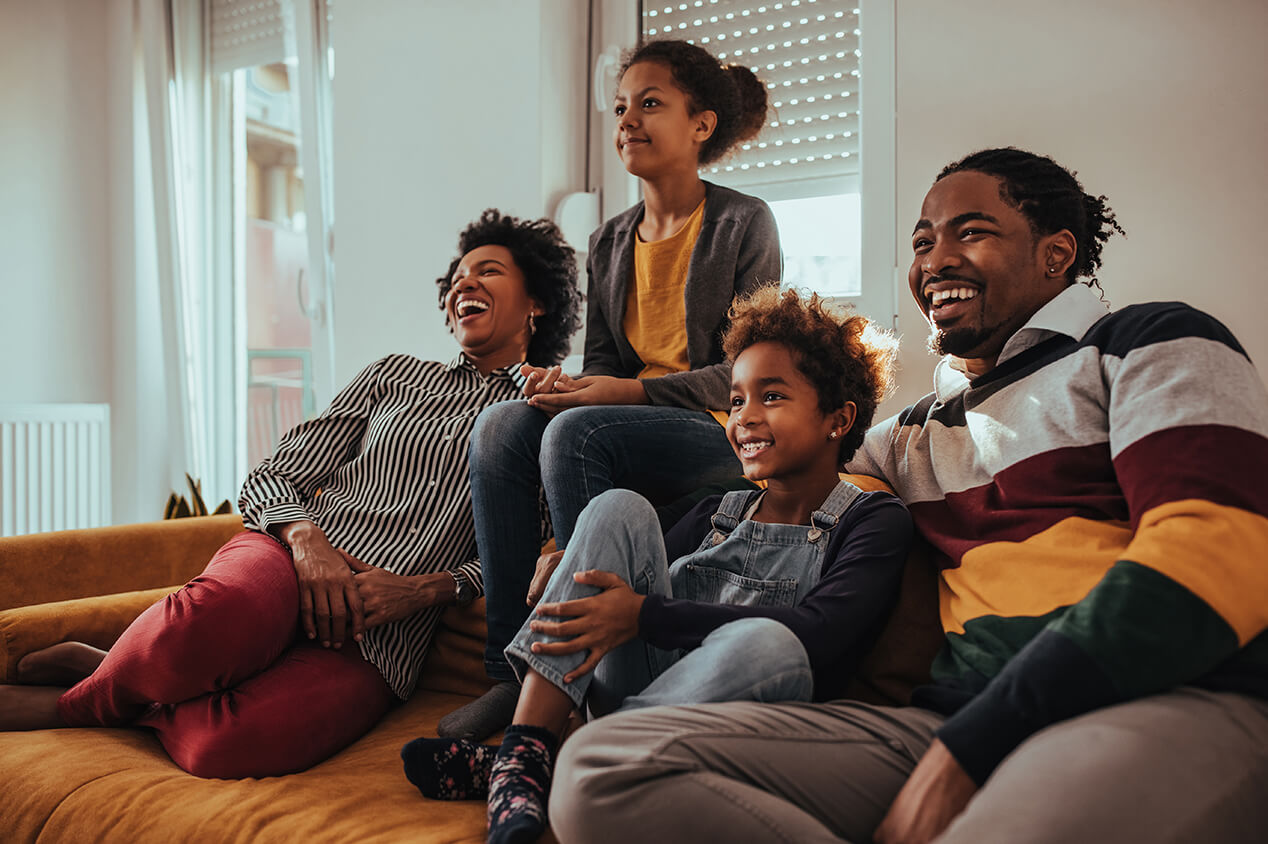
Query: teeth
940,296
469,306
750,448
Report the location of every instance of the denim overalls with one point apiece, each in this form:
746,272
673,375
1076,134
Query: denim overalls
759,564
739,562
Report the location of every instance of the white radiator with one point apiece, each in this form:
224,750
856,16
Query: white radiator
54,467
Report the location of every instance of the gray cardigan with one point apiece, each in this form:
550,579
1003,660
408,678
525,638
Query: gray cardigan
736,253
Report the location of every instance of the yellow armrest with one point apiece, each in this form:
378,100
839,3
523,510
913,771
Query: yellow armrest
97,621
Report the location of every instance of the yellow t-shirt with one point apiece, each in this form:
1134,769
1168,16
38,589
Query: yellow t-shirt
655,311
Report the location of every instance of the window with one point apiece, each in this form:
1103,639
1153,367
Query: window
810,163
274,216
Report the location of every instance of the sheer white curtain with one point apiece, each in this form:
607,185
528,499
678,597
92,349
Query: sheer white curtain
187,99
171,36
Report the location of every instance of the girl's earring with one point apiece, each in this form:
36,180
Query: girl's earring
532,324
833,435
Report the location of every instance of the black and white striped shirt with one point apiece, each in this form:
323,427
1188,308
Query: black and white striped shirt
383,472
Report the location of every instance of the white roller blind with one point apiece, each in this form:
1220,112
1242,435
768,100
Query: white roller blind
807,53
246,33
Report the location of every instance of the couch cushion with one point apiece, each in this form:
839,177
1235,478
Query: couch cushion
118,785
98,621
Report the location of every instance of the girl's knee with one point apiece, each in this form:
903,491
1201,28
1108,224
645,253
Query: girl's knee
619,509
504,423
760,639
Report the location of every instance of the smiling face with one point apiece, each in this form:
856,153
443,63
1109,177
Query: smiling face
656,133
488,307
979,271
776,427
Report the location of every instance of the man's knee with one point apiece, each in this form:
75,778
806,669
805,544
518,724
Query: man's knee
586,779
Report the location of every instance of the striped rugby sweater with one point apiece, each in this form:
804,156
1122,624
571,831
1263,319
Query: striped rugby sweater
1098,504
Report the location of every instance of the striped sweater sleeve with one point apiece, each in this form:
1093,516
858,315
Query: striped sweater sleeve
1188,432
276,490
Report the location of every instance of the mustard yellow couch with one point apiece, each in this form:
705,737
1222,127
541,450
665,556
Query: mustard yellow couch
118,785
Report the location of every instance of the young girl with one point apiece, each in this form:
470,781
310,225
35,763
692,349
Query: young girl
772,595
662,276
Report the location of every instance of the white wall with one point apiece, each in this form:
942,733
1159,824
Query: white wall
442,109
1158,104
54,209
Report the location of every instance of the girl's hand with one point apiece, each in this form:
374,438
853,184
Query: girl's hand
599,623
391,597
545,380
546,565
591,390
328,598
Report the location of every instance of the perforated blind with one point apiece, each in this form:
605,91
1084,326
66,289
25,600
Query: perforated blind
246,33
807,53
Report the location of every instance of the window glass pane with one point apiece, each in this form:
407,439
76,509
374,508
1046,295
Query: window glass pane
821,243
279,332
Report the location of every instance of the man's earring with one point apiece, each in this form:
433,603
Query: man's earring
532,324
833,435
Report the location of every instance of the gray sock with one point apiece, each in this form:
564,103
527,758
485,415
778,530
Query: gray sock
483,716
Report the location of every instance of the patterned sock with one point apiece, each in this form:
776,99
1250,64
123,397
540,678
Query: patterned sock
520,784
449,769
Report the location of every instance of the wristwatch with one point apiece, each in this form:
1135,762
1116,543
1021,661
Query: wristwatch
465,591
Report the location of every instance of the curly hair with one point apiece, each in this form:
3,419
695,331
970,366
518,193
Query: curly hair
731,91
845,356
549,266
1052,199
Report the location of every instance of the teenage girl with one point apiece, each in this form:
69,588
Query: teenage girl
661,277
773,595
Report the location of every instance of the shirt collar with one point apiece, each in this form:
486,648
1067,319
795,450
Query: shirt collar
511,373
1071,312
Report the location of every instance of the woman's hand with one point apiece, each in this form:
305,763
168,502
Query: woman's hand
590,390
545,379
546,565
328,597
391,597
599,623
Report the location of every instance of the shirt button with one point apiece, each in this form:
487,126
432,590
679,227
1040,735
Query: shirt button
413,530
433,483
448,437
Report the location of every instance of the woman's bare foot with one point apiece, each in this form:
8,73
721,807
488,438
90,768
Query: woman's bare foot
30,708
63,664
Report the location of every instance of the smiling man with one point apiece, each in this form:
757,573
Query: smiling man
1092,483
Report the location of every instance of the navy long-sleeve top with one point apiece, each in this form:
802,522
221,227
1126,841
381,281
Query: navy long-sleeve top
838,620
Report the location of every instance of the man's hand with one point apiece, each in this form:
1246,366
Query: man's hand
935,794
598,623
590,390
391,597
546,565
328,598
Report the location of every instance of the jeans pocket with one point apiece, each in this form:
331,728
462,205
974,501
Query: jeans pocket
721,586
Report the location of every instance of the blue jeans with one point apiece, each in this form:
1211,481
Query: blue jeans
749,659
517,453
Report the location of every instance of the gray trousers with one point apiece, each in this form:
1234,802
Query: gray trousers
1186,766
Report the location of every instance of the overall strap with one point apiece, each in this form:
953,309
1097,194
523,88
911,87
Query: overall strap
731,510
838,501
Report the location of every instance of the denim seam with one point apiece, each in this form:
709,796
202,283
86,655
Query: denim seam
549,672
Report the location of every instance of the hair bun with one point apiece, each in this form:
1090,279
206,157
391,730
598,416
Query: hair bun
753,100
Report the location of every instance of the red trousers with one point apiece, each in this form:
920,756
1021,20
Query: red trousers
222,673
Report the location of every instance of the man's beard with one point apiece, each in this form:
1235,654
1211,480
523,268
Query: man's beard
958,342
